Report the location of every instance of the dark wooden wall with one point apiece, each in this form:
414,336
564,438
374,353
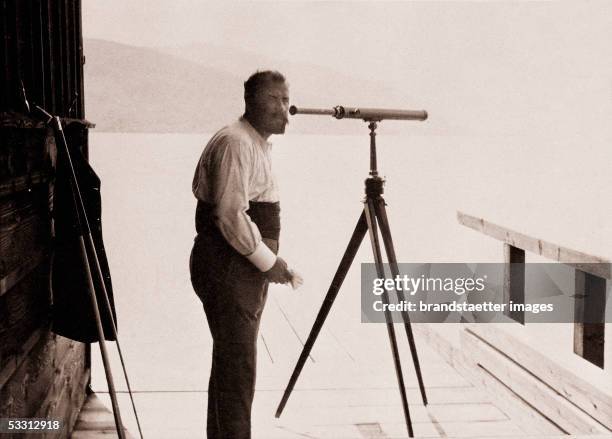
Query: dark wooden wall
42,49
41,374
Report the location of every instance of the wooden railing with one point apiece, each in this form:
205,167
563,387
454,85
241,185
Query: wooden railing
592,273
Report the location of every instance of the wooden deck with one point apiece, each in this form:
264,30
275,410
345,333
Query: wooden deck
347,388
95,421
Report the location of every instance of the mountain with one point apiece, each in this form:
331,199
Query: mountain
199,88
138,89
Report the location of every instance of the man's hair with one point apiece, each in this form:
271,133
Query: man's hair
259,79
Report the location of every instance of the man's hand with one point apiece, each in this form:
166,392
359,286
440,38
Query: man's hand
296,279
279,273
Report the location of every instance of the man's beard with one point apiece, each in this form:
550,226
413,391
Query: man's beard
279,127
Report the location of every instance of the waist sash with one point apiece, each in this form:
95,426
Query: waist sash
214,264
266,217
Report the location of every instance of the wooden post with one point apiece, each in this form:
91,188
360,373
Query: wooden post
514,281
589,309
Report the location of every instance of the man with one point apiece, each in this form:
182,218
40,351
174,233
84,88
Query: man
234,254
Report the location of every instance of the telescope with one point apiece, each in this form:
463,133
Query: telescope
366,114
373,218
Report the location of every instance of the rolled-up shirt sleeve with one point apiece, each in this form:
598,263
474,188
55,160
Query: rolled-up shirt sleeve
232,173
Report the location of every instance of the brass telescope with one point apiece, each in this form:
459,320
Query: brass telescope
367,114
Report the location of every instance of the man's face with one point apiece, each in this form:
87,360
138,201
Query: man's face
270,108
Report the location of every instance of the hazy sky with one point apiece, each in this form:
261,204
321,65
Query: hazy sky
516,67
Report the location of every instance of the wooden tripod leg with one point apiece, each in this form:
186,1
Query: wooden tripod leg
349,255
105,360
113,326
84,230
385,230
93,256
370,211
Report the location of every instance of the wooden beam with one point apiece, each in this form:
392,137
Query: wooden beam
69,374
19,120
583,385
514,281
9,28
42,67
57,55
11,279
5,52
31,67
25,230
68,56
588,263
449,344
589,309
19,60
529,387
49,67
14,361
23,183
81,62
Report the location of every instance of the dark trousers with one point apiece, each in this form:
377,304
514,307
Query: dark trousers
233,293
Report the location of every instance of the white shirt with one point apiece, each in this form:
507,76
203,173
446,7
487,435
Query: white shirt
235,168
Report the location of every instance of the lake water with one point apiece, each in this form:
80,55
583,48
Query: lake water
557,190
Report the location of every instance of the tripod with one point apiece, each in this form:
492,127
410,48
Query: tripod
91,264
374,215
